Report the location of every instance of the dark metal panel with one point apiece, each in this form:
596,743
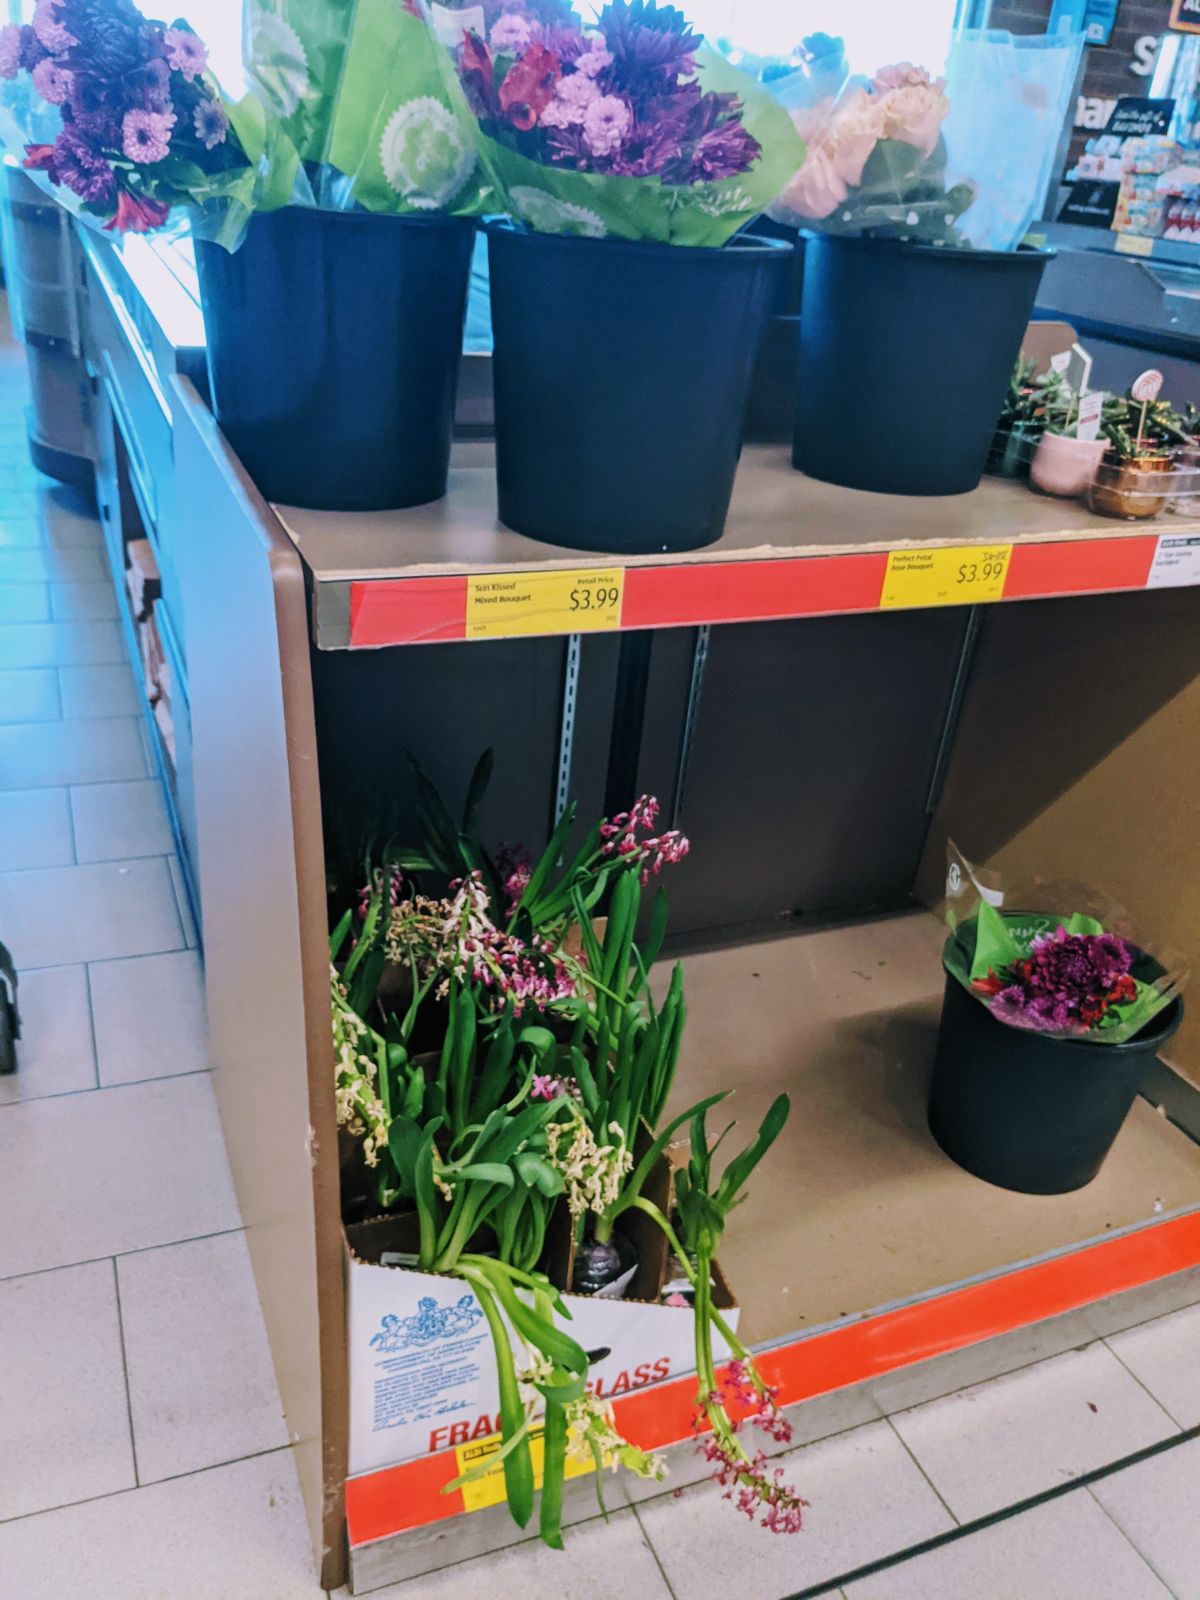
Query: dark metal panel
814,746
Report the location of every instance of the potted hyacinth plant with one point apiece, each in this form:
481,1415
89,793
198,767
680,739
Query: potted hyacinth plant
626,314
545,1088
917,292
333,300
1049,1023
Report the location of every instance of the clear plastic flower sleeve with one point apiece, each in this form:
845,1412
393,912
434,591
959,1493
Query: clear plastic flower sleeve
959,156
1058,958
629,126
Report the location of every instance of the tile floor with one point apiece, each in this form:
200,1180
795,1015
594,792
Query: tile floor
143,1455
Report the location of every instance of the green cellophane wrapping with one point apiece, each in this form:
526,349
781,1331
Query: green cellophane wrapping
359,89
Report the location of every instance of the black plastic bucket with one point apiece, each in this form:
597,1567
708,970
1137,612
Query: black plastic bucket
333,347
1029,1113
905,355
621,372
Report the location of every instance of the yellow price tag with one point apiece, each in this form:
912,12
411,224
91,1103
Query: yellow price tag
1134,244
488,1490
949,575
501,604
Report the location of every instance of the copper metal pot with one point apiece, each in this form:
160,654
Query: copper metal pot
1133,489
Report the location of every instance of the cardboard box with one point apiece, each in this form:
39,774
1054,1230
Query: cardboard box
141,577
422,1368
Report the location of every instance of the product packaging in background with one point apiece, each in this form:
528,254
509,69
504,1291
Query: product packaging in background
359,87
1059,958
629,126
954,156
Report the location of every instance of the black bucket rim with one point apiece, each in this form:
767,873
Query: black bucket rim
338,216
740,245
1022,254
1162,1026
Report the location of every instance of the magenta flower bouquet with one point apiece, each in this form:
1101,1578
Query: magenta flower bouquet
1066,974
132,122
631,127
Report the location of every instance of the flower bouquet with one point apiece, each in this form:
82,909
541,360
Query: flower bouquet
536,1096
621,363
917,186
631,128
121,115
1051,1019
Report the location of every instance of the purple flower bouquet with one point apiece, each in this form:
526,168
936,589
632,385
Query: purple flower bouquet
121,113
631,127
1066,976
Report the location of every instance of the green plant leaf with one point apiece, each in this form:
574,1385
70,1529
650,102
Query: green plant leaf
476,789
554,1460
536,1173
486,1172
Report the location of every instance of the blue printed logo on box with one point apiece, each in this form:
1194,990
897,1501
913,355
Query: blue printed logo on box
432,1322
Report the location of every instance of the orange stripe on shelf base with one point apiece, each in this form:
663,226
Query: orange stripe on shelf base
399,1498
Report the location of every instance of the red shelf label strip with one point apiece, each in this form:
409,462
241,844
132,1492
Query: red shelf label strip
434,610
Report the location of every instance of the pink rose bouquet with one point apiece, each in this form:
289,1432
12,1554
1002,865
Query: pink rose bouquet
875,161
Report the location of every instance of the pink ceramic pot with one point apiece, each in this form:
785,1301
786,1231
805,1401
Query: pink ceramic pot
1065,466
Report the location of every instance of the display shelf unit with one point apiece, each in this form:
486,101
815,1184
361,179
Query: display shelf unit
783,732
792,547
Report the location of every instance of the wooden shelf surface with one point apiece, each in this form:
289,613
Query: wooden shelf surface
792,547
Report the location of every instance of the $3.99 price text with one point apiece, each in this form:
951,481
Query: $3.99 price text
598,599
986,569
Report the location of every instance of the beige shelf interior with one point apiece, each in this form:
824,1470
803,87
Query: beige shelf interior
856,1206
776,511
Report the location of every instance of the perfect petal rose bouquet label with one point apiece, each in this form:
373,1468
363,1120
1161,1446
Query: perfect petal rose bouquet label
630,127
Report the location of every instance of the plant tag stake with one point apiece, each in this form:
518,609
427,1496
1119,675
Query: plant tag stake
1146,388
1090,408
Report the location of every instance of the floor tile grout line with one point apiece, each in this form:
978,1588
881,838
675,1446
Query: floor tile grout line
91,1010
966,1530
119,1255
1141,1554
103,961
138,1488
100,1088
137,1478
649,1543
1170,1416
75,861
904,1445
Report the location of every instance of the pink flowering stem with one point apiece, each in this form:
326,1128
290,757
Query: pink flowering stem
747,1480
